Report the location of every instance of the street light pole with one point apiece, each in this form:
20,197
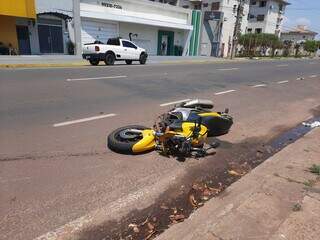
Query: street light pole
77,27
237,28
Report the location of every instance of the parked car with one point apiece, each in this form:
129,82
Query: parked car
116,49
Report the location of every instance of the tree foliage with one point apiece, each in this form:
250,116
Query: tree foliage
311,46
251,42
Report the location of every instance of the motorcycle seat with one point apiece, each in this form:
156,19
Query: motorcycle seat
199,103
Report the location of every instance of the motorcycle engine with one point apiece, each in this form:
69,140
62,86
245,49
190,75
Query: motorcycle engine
178,145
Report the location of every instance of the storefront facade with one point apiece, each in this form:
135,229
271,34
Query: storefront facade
52,31
16,16
159,28
41,27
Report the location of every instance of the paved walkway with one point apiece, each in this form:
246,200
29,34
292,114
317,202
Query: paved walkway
278,200
70,60
67,59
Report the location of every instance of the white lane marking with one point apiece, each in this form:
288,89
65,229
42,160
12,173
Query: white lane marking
224,92
281,82
283,65
313,76
227,69
313,63
94,78
259,85
175,102
84,120
300,78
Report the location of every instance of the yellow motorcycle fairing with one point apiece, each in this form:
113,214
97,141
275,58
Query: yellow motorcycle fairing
210,114
187,130
147,142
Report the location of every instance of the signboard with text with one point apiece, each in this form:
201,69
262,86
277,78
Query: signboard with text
110,5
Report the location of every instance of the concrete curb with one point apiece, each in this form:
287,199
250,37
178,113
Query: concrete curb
40,65
260,205
184,61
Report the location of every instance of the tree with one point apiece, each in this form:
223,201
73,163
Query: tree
287,45
297,47
251,42
311,46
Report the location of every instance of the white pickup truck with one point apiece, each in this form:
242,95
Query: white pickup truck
116,49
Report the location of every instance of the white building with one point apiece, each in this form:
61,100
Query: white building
159,28
298,35
265,16
218,18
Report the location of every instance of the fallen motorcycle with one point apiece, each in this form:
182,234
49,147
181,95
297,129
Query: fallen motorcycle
183,131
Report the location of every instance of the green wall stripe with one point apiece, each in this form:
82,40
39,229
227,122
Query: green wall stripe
192,35
197,33
195,37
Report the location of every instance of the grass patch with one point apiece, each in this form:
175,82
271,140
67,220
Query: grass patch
315,169
309,183
296,207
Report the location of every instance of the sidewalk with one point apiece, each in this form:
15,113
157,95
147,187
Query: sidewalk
67,60
73,61
278,200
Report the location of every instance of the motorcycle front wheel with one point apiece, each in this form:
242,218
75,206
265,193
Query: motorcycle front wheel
123,139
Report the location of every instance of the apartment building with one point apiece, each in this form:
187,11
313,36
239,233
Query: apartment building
218,23
266,16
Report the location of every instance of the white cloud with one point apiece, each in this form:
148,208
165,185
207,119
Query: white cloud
303,21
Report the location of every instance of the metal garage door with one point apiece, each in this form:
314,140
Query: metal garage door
98,31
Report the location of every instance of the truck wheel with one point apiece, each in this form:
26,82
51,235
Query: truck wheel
143,58
110,58
129,62
122,140
94,62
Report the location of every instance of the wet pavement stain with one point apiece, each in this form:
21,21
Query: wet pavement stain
203,182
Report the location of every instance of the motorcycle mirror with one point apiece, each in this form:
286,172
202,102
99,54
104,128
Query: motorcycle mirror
226,110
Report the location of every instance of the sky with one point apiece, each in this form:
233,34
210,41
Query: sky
305,12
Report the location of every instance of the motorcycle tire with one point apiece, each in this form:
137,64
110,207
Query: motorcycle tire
123,146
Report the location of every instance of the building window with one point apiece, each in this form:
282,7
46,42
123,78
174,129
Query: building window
258,30
263,4
249,30
197,6
253,2
215,6
234,8
260,18
280,7
205,5
250,16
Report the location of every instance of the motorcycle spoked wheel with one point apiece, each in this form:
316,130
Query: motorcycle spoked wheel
121,140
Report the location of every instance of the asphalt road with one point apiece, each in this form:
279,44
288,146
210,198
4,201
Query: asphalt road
54,164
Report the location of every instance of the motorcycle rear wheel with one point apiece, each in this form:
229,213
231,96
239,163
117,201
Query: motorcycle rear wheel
121,141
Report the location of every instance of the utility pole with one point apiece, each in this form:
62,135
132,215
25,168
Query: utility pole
237,28
77,27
